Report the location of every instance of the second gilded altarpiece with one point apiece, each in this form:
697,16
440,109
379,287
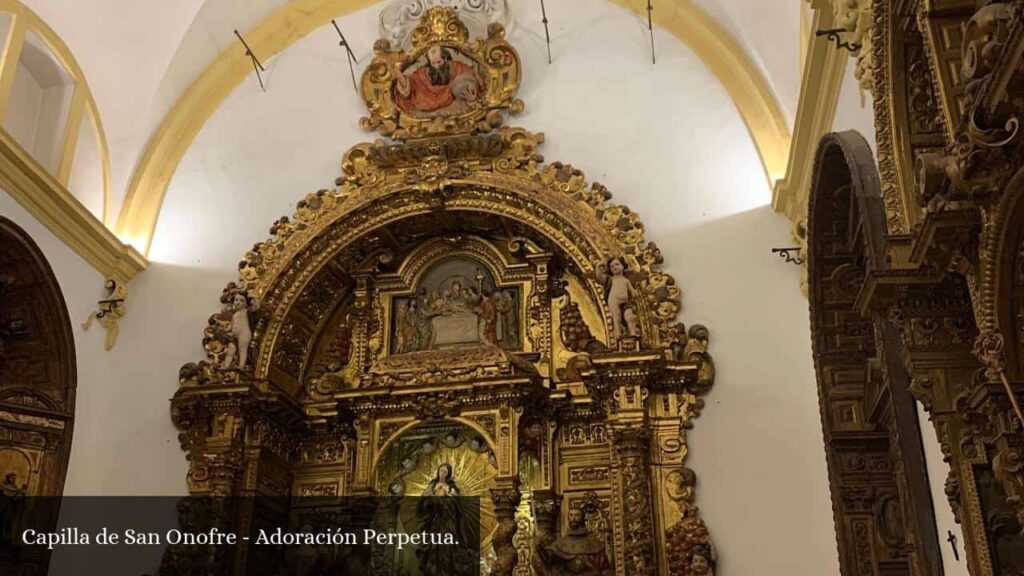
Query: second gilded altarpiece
457,317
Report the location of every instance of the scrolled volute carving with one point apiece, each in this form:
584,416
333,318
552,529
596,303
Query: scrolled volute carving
980,161
696,351
984,40
989,350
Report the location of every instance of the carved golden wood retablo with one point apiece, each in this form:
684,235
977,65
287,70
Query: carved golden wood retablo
458,303
943,291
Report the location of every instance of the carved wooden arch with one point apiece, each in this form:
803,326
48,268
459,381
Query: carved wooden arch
378,189
38,375
1001,275
880,495
405,426
432,251
553,219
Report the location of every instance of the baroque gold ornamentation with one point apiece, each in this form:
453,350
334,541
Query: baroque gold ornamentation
495,62
331,381
37,388
947,121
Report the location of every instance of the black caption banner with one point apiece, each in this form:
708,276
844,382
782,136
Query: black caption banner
399,536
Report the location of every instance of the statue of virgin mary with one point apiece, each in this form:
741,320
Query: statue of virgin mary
443,510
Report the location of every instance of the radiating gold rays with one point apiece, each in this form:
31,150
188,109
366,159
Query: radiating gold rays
473,471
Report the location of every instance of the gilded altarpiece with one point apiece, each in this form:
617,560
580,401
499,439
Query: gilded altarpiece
457,308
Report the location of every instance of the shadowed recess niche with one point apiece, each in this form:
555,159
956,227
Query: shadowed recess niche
456,303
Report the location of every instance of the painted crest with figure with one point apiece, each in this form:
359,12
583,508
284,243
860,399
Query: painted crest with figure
444,84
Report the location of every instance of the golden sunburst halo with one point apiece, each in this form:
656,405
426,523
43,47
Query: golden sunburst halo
413,459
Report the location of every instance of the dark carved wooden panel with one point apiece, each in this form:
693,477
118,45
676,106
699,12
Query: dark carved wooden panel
881,501
37,380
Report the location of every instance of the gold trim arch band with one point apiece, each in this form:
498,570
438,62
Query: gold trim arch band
722,54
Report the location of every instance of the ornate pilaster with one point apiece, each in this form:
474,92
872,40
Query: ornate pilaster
240,441
538,301
633,494
212,438
362,311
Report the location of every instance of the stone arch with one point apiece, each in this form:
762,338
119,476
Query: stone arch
869,420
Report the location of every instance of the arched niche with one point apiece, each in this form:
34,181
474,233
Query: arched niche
37,378
881,499
320,297
408,463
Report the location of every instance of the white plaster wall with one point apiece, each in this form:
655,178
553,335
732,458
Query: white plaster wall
56,104
855,111
769,31
39,105
22,115
667,141
171,42
124,48
86,181
102,451
937,473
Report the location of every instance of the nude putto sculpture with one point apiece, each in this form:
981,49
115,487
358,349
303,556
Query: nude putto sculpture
240,331
619,291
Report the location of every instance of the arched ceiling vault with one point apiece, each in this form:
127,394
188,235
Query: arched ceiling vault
720,52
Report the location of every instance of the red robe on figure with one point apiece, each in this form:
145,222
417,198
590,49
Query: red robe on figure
489,314
427,97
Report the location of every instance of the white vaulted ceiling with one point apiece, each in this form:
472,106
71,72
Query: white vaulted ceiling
140,57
